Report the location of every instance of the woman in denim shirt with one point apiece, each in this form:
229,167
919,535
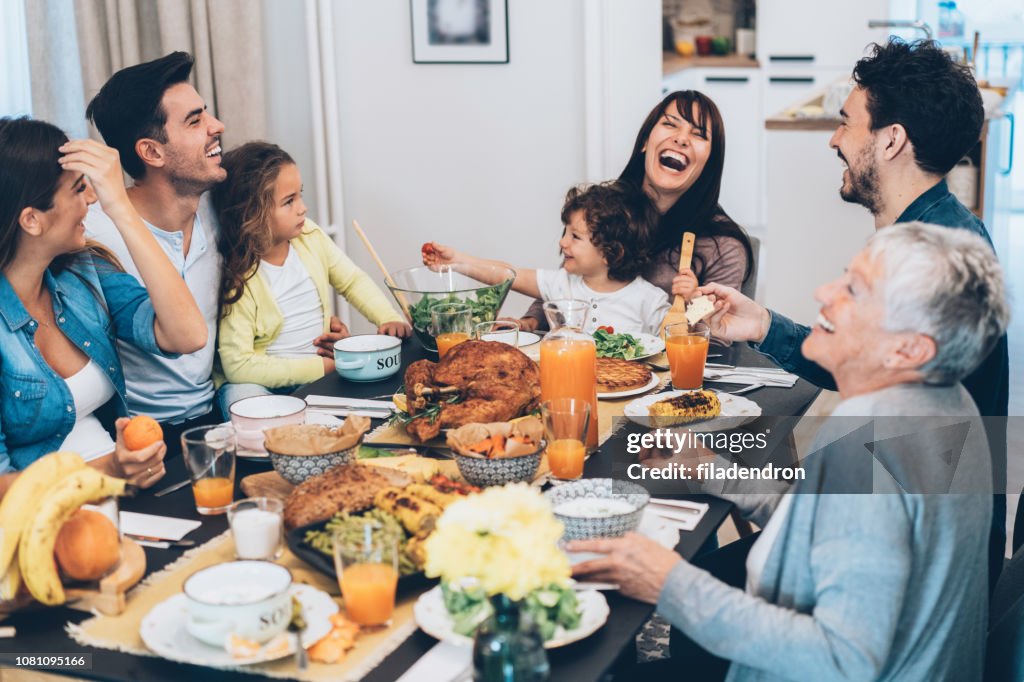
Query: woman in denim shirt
64,302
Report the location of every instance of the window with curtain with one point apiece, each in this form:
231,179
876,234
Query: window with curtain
15,94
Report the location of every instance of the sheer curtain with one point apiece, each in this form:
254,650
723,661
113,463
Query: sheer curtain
15,96
75,45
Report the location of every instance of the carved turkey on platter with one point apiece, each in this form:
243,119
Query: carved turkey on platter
475,382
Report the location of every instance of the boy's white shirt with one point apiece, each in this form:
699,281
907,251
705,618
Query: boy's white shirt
638,307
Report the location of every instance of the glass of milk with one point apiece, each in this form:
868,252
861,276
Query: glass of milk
257,527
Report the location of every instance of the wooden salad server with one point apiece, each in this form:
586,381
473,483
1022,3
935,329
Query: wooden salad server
677,313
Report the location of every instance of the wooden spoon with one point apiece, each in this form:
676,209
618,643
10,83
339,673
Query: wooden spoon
677,313
387,275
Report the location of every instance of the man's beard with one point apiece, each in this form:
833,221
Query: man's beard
863,185
192,183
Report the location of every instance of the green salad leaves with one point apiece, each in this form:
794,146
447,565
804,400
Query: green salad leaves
622,346
550,608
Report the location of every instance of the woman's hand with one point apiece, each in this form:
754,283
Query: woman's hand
325,342
685,284
438,254
142,467
400,329
102,166
736,317
638,565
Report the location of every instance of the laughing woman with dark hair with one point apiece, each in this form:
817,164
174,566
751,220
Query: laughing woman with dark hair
677,162
64,301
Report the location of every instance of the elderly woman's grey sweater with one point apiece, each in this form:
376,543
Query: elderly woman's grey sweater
882,586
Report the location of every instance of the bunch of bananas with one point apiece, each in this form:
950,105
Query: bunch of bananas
32,512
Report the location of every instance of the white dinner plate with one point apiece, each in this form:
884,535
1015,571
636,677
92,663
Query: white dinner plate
252,450
528,339
652,345
163,631
653,383
434,619
736,411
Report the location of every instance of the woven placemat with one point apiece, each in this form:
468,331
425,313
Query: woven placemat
121,633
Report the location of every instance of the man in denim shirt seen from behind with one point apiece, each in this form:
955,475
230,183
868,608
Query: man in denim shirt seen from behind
912,115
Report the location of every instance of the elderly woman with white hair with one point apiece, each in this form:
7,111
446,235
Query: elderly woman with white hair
862,586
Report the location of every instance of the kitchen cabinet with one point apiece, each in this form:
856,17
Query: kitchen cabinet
737,93
808,34
784,89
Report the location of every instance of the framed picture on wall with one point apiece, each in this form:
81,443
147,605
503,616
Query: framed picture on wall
459,31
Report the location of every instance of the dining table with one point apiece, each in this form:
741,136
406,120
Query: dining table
42,630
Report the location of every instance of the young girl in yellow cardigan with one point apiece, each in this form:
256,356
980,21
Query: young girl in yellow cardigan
278,272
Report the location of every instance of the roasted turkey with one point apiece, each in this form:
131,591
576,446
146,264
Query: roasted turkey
491,381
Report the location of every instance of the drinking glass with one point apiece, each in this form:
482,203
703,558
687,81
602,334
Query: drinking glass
209,453
565,427
687,350
367,566
451,324
505,331
258,528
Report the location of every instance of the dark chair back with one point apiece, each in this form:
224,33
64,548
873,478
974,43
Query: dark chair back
749,287
1005,656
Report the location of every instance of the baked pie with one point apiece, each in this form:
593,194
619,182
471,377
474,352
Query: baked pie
615,375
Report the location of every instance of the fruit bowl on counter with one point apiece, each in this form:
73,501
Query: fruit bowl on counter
420,288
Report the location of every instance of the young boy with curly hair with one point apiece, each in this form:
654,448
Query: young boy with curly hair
604,244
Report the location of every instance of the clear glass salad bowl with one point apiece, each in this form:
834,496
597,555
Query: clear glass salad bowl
482,288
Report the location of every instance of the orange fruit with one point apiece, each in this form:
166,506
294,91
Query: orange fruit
142,431
88,546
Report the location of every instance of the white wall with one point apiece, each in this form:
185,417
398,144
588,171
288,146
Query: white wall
287,87
474,155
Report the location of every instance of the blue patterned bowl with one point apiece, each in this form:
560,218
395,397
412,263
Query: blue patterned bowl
297,468
500,470
613,526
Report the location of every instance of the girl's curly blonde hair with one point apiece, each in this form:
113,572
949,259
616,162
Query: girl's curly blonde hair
244,204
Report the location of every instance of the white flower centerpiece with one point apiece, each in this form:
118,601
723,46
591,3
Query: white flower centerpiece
501,546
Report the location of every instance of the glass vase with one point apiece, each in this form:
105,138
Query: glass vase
508,646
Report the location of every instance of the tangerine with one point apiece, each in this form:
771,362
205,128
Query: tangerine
141,432
87,546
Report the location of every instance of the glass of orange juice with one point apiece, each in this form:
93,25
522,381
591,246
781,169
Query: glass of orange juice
367,566
565,427
687,350
451,324
209,453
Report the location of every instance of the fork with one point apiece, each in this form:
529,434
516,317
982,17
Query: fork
301,658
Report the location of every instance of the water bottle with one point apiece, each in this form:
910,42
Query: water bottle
951,20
